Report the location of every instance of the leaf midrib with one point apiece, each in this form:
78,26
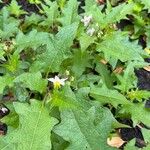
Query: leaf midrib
32,140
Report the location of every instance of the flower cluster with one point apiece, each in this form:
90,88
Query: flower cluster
86,20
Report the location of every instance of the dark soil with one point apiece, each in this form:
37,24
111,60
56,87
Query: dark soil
143,79
3,128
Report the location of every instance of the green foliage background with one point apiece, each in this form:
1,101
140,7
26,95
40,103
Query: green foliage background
37,46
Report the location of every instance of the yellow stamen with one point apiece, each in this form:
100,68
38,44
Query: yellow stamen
57,85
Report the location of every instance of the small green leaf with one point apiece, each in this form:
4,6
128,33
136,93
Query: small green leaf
51,11
15,9
13,63
105,74
138,95
70,13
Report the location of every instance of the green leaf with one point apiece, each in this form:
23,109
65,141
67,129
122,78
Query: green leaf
112,14
15,9
35,1
138,95
146,148
104,95
64,99
85,130
13,63
117,46
128,80
33,19
117,13
138,113
34,131
146,4
5,81
105,74
70,13
8,25
12,119
2,54
89,4
51,11
33,81
131,145
4,146
57,49
20,93
148,36
80,62
146,135
86,41
33,40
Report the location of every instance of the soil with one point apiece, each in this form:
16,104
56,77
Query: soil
3,129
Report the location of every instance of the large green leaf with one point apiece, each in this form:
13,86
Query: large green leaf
51,12
85,130
58,49
33,40
116,46
104,95
35,127
33,81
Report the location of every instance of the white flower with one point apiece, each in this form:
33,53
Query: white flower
86,20
90,31
57,82
4,110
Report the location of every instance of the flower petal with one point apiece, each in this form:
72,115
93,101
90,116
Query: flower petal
51,80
